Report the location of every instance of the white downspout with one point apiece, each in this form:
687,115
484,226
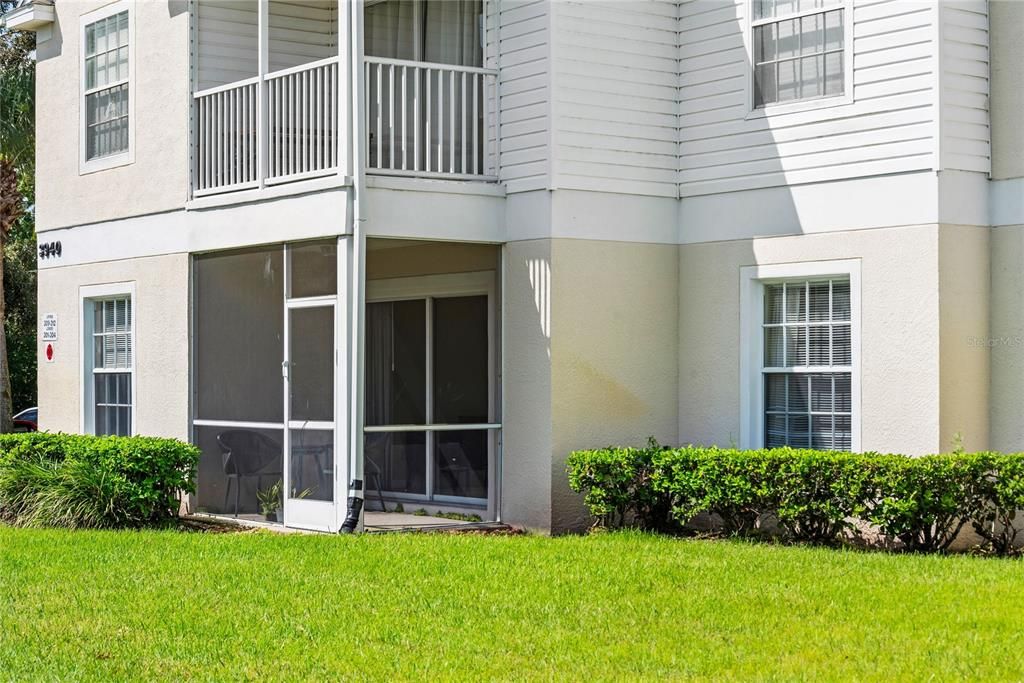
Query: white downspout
357,289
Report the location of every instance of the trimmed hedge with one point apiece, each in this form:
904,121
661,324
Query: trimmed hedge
814,496
96,482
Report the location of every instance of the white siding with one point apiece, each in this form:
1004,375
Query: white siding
889,127
301,31
965,86
524,106
615,74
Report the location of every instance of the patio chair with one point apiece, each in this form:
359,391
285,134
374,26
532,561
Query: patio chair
375,449
456,466
248,454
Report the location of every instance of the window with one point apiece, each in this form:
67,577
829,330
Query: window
800,355
430,428
111,365
807,364
106,87
427,364
798,50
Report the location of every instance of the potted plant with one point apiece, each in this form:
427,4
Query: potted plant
270,502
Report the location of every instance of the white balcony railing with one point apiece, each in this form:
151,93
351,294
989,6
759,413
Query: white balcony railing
423,119
295,138
429,120
303,121
226,146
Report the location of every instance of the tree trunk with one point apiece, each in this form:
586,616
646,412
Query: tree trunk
11,209
6,409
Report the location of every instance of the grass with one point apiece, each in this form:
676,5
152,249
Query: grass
166,605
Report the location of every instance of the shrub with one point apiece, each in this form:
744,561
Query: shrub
816,496
97,482
999,521
812,494
926,501
617,488
727,483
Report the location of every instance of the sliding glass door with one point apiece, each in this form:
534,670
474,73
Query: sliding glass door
431,425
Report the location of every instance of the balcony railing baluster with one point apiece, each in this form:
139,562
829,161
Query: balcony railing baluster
437,125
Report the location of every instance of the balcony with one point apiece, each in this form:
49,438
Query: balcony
428,120
286,119
296,138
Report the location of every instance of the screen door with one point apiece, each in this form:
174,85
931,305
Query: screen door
313,447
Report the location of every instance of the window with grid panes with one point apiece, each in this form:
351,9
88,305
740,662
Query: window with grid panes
808,364
106,86
798,50
112,366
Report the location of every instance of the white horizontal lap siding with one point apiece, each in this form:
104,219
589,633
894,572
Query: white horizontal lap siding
615,109
301,31
965,132
522,32
888,128
226,42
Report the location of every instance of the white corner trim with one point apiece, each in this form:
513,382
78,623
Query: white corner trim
87,294
752,279
937,100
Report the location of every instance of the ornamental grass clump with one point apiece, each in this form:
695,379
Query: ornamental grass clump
74,481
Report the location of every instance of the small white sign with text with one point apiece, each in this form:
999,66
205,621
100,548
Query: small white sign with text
48,330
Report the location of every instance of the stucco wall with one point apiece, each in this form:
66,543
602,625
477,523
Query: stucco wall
614,327
590,360
161,326
158,179
1007,338
526,413
964,347
899,328
1006,27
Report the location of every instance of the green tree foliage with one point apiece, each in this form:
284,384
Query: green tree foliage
17,156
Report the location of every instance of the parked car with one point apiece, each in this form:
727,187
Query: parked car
27,420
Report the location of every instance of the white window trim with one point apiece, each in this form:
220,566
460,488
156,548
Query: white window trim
846,98
752,279
85,165
87,294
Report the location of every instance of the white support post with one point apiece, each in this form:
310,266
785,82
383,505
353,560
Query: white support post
357,298
263,58
357,122
347,89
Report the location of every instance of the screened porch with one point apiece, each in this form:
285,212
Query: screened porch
273,102
273,371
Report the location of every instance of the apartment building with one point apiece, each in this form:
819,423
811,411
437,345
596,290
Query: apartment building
434,245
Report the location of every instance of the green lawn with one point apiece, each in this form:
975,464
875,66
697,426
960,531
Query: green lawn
172,606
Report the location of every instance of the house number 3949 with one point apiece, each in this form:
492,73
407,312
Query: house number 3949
49,250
